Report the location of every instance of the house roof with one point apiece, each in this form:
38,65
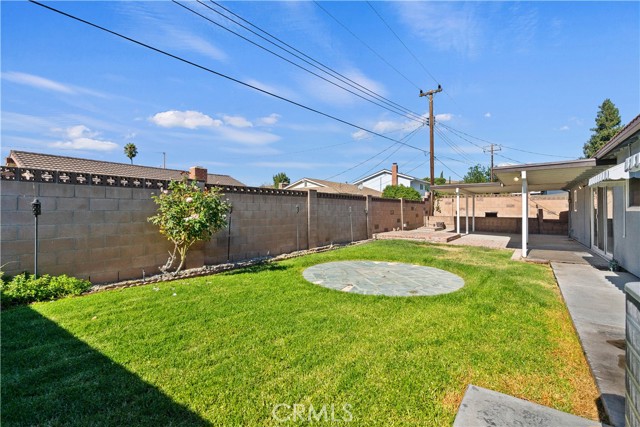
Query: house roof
25,159
627,135
324,186
388,172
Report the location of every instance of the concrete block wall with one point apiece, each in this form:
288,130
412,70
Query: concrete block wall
261,224
506,205
94,232
389,214
340,218
102,233
504,225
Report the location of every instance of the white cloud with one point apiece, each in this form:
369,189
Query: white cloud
277,90
564,128
247,137
271,119
360,134
288,165
237,121
444,117
39,82
183,40
444,25
186,119
81,137
334,95
487,115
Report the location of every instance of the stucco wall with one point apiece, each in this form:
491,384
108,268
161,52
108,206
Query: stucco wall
580,219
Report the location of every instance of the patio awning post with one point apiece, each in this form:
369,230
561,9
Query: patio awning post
525,213
473,214
458,210
466,213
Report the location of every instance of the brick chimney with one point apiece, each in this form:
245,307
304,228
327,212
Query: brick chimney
394,174
198,173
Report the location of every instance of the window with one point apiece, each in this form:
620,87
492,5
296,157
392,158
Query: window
421,186
634,192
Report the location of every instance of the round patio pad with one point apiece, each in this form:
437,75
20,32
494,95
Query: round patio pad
383,278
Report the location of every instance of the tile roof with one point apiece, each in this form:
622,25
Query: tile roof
334,187
25,159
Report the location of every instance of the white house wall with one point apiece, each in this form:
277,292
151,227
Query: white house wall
626,249
380,182
580,221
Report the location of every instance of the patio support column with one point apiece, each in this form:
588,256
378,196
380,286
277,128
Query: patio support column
525,213
473,214
458,210
466,212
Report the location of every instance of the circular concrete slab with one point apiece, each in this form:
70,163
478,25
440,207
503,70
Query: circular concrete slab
383,278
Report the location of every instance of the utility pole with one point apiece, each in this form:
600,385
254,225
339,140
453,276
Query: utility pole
164,160
432,122
492,148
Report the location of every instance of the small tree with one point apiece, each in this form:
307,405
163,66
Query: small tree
608,123
441,180
187,214
130,150
280,178
478,173
401,192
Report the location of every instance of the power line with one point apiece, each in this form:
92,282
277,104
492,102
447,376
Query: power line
458,132
407,137
403,114
407,48
325,68
219,74
372,157
366,45
451,170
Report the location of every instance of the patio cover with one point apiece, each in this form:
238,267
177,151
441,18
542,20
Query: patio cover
525,178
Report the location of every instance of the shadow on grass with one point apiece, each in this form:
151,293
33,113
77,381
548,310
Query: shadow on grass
49,377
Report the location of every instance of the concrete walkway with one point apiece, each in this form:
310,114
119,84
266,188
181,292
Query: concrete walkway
596,302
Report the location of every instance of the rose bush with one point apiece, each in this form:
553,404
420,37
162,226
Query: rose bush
187,214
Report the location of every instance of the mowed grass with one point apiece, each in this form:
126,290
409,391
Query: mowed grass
227,349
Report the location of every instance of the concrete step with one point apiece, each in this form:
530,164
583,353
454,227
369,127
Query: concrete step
481,407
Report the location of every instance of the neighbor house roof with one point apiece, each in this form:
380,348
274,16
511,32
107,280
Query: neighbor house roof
25,159
324,186
388,172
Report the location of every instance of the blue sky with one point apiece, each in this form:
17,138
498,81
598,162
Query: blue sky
527,75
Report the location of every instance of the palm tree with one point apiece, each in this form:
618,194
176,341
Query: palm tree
130,150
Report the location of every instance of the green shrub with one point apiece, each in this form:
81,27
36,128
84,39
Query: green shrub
401,192
25,288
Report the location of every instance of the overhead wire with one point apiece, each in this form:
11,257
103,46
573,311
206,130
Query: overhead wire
459,132
407,48
392,109
219,74
321,66
366,45
407,137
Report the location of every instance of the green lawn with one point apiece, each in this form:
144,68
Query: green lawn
227,349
